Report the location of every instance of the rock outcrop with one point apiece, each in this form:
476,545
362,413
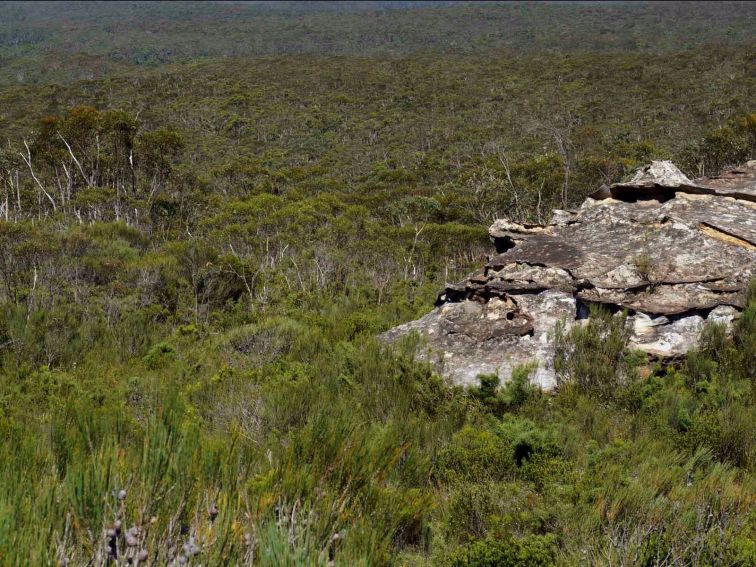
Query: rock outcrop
672,252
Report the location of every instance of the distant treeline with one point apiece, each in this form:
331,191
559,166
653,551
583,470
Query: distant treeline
90,39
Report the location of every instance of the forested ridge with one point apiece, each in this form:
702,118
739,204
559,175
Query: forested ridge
209,211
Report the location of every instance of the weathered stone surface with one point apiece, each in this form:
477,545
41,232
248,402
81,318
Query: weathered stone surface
468,338
672,252
662,179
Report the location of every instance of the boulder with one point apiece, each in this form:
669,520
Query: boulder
672,252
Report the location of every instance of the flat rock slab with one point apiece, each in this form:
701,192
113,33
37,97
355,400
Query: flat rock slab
662,179
672,252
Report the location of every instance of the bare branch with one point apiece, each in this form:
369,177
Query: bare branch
28,161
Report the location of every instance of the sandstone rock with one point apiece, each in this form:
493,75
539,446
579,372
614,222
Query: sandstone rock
672,252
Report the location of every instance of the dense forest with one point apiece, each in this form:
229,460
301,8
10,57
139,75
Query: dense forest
208,213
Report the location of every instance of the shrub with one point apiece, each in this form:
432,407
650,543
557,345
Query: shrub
592,357
476,454
530,551
512,395
481,510
159,355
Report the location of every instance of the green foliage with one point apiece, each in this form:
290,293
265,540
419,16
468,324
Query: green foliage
593,357
476,455
159,355
516,392
533,551
196,261
315,445
493,510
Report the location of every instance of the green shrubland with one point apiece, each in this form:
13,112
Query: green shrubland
300,440
202,235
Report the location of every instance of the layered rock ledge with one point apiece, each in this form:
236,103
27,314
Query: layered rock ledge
672,252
